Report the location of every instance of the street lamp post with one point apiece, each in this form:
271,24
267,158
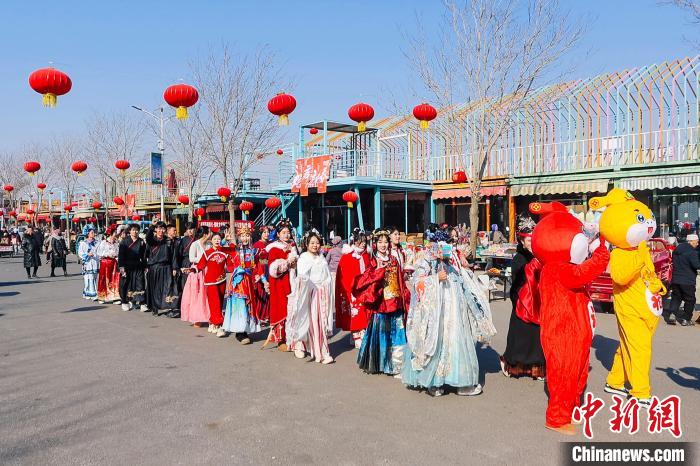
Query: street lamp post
161,147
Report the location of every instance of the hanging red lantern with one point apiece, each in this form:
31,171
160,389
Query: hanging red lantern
282,105
32,167
181,96
273,202
223,193
97,205
30,211
118,200
122,165
199,212
51,83
76,220
313,131
361,113
41,187
79,167
92,219
12,213
135,218
67,207
280,152
9,188
424,113
459,177
246,207
350,197
183,199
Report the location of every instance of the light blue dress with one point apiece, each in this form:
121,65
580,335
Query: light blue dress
91,267
444,323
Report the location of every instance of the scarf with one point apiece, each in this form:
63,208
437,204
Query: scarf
357,254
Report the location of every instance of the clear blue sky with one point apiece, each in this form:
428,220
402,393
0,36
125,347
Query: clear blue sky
120,53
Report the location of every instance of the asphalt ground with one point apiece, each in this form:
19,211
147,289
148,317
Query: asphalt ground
84,383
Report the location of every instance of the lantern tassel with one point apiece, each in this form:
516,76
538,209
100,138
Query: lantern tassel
361,126
424,125
49,100
223,199
349,205
181,113
283,120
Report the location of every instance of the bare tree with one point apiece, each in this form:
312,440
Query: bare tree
490,54
233,117
12,174
61,153
690,6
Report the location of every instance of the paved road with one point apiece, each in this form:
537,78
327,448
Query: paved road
83,383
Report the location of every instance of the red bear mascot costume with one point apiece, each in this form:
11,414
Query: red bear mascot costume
567,320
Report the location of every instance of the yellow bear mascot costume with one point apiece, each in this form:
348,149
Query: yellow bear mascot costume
627,224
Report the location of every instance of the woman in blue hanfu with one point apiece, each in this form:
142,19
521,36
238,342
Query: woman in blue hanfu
448,315
91,265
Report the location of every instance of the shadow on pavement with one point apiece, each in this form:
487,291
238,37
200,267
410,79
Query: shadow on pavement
605,350
341,345
22,282
9,293
488,362
686,377
84,309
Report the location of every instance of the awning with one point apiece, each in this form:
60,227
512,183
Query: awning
689,180
534,189
467,192
216,208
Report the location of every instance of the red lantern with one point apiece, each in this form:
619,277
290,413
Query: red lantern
79,167
30,211
246,207
118,200
12,213
9,188
96,205
199,212
92,219
280,152
181,96
51,83
459,177
183,199
67,207
76,220
424,113
223,192
282,105
350,197
31,167
135,218
41,187
313,131
122,165
273,202
361,113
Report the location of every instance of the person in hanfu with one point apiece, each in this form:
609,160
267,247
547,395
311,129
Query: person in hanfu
261,304
193,303
350,314
175,290
240,289
132,262
181,256
523,355
311,310
214,263
449,314
108,277
382,290
159,256
57,252
282,259
91,265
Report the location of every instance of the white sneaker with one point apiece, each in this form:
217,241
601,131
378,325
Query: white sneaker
144,308
99,301
436,391
299,354
118,301
211,328
126,307
220,332
470,391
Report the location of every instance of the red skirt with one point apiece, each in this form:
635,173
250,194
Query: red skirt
108,280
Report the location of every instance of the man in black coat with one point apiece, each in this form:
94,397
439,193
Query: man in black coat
685,271
31,245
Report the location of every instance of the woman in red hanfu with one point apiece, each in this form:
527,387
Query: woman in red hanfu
282,258
351,315
215,263
261,305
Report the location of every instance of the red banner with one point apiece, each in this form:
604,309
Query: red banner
312,172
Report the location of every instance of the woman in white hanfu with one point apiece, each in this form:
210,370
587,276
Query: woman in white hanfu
311,304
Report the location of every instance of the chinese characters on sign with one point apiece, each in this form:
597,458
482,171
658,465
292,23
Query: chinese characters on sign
312,172
661,415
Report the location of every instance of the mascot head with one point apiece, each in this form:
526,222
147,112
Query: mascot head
558,237
625,222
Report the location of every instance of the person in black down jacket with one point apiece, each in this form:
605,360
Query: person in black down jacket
31,245
685,271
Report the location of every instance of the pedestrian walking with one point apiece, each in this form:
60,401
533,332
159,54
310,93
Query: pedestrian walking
57,252
686,264
108,276
350,314
159,259
132,261
215,262
32,251
193,303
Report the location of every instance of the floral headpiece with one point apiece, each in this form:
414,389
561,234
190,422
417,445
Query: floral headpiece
284,223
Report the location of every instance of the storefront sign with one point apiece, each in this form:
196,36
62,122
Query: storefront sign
225,223
312,172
